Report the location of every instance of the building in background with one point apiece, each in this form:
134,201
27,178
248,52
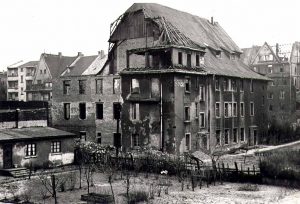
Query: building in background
183,84
279,63
25,138
3,86
84,98
13,81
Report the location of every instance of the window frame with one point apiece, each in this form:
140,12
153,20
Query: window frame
226,142
80,112
187,146
202,119
217,84
99,116
135,140
219,110
66,87
55,147
218,141
252,108
30,150
179,58
82,86
187,113
242,134
67,106
116,91
235,135
135,111
187,85
242,109
136,89
99,90
81,134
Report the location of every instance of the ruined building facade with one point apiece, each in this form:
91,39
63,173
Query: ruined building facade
183,89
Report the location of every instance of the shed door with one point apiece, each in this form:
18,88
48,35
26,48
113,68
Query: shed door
7,156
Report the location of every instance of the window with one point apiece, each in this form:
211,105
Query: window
41,71
44,71
31,149
179,57
242,134
135,140
196,110
235,135
218,137
82,111
22,80
197,60
66,87
55,147
82,135
67,111
251,86
116,85
22,90
202,93
226,111
187,85
271,83
117,110
21,69
242,111
188,141
202,120
99,111
135,111
82,86
282,93
233,85
270,69
99,138
281,69
135,86
226,84
263,100
270,95
99,86
155,87
188,60
218,54
241,85
255,69
187,113
251,109
229,109
234,110
270,107
226,136
217,84
217,109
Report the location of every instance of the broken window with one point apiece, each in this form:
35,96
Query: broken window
82,86
99,111
235,135
135,140
242,111
188,141
117,110
218,137
99,86
188,60
197,60
202,120
116,85
155,89
217,109
82,111
180,58
186,113
251,109
242,134
55,146
135,86
31,149
187,85
226,136
135,111
67,111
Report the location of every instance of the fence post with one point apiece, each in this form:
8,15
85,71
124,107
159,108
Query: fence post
254,170
223,169
248,171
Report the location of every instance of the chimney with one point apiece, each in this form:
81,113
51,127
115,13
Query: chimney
59,54
79,54
277,49
212,20
101,53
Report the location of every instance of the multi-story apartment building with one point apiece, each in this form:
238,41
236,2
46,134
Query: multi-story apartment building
295,65
3,86
19,76
183,84
280,67
49,68
84,98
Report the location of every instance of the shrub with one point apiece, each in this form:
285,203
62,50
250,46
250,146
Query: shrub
137,196
248,187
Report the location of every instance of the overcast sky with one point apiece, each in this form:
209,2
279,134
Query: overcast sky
31,27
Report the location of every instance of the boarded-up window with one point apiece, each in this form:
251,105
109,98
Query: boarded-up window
82,111
99,110
135,86
116,85
66,87
135,111
99,86
67,111
155,89
82,86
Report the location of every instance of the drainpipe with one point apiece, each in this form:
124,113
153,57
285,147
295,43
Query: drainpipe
17,117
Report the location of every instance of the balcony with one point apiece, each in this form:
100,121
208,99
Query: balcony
38,88
12,75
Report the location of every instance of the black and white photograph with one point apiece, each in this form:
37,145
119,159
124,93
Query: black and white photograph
161,102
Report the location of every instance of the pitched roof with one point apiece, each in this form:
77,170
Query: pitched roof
198,30
249,54
29,64
79,65
57,63
96,67
31,133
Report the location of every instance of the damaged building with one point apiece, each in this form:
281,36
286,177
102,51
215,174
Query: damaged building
184,86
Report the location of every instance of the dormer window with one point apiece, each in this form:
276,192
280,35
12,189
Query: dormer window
180,58
218,54
233,57
199,60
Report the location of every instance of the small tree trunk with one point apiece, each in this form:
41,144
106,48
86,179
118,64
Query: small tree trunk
53,188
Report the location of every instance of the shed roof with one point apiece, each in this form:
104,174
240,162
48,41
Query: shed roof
32,133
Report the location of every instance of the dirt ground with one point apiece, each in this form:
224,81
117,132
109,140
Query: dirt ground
226,193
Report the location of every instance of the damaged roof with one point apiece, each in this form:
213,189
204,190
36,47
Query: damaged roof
32,133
